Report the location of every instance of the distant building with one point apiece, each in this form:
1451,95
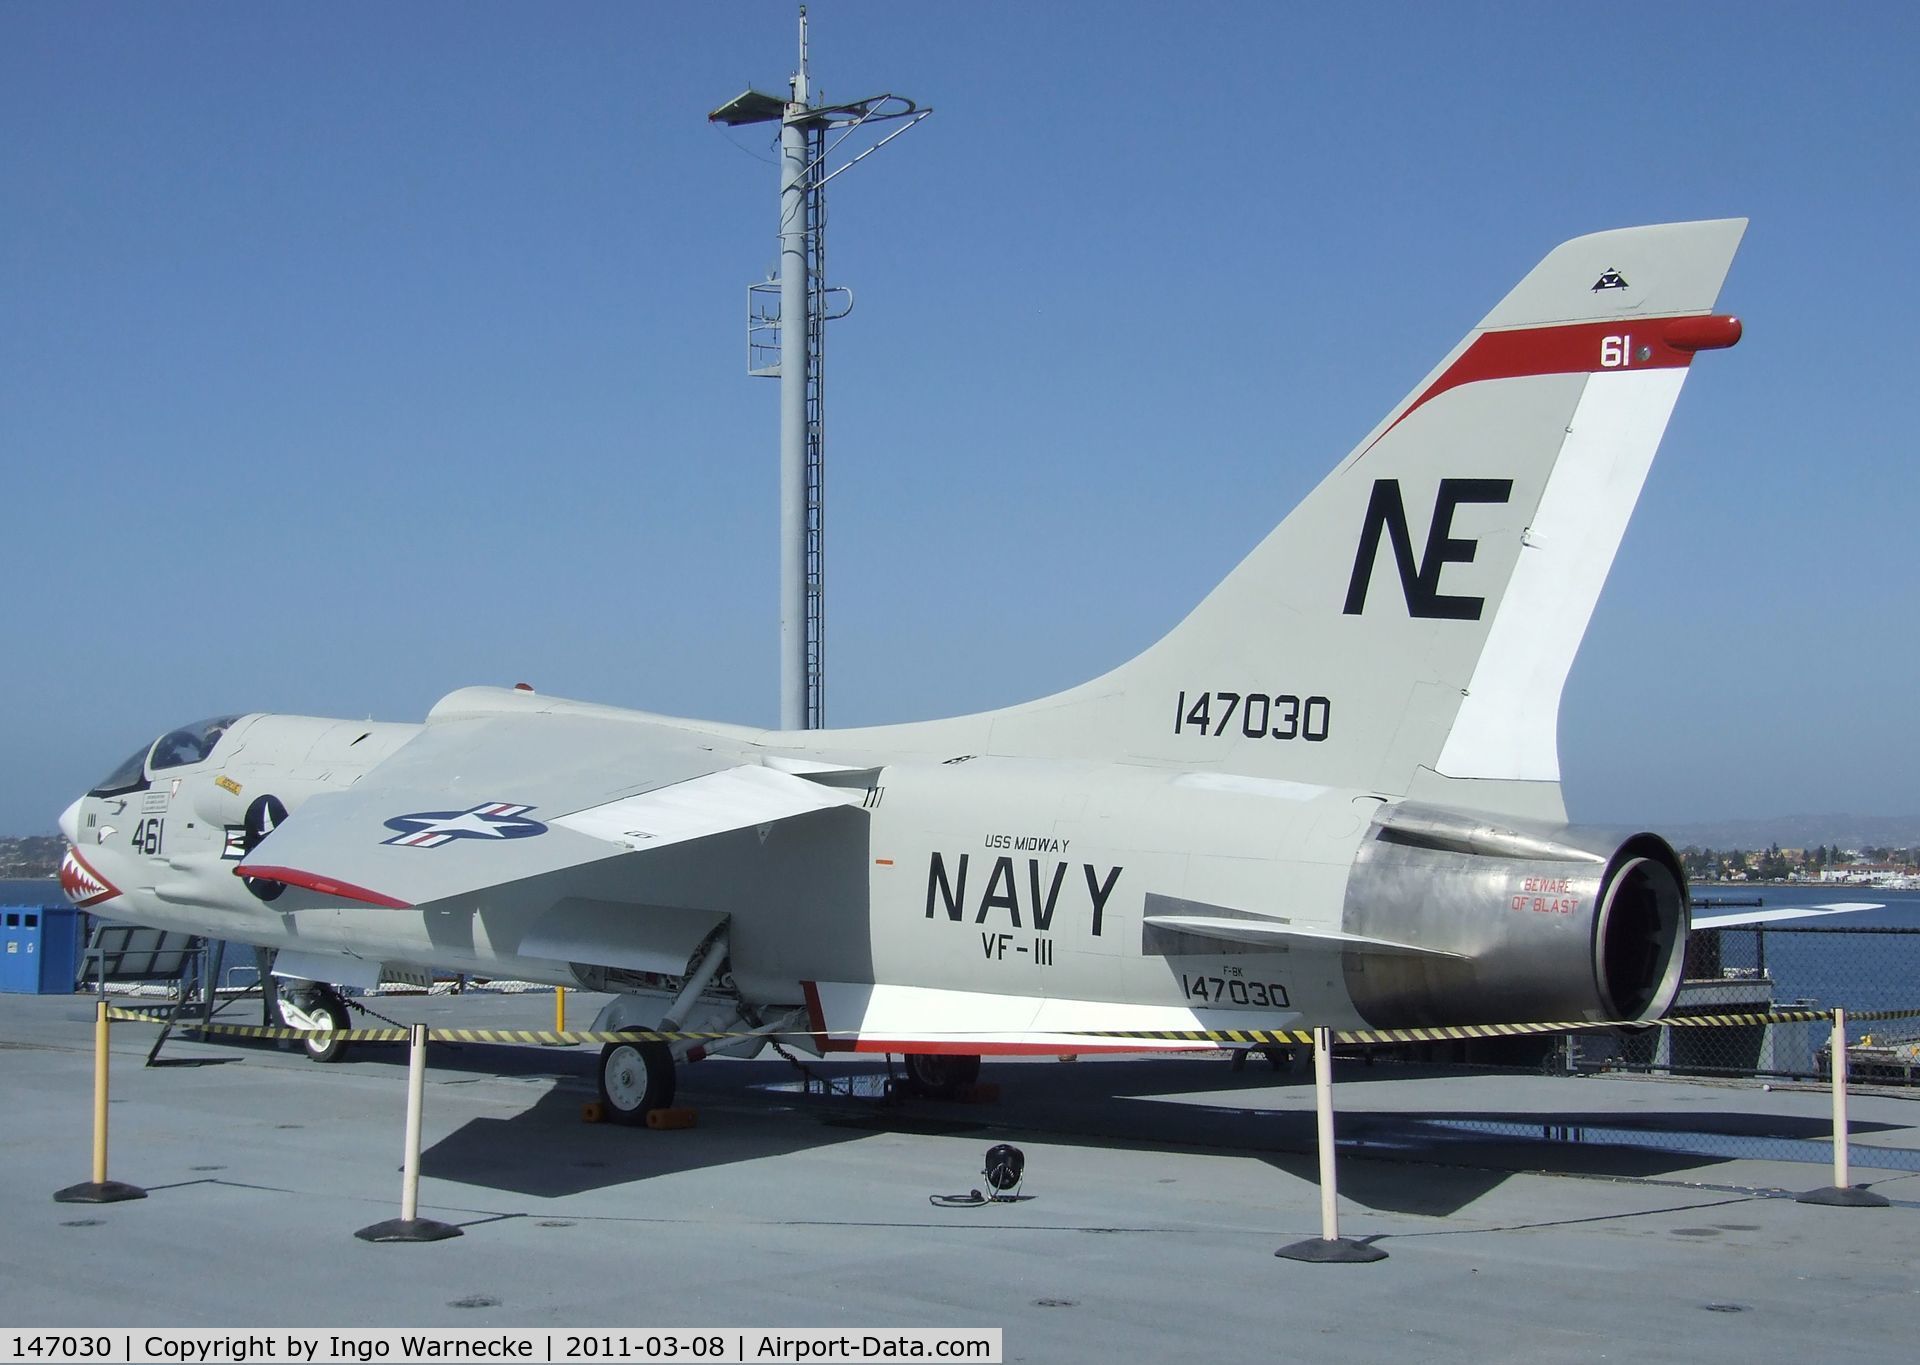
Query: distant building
1867,874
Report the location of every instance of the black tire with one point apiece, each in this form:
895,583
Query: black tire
635,1079
334,1048
940,1075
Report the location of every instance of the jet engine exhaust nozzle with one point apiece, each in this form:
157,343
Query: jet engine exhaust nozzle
1542,923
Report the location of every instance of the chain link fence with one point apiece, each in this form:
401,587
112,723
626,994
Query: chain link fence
1752,970
1742,974
1751,1089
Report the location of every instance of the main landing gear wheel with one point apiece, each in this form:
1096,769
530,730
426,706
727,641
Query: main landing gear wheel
940,1075
319,1007
635,1078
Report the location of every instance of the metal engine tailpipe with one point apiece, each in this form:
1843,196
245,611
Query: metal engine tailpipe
1640,938
1527,923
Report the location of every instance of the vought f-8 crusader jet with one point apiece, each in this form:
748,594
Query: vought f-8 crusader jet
1329,796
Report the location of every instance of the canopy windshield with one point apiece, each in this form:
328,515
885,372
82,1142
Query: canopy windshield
190,743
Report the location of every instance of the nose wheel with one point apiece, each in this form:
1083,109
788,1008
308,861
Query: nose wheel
635,1078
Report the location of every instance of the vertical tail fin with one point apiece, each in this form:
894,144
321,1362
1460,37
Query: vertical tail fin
1410,626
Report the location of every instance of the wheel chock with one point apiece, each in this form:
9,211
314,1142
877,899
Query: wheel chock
593,1112
980,1092
672,1118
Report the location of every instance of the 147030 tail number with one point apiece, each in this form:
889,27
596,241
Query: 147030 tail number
1254,715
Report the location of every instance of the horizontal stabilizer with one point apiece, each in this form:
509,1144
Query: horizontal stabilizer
1734,918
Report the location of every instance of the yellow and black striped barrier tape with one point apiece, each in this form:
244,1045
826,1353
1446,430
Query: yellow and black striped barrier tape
1226,1037
542,1037
1460,1032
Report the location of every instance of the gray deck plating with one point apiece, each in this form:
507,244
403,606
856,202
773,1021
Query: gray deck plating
1161,1189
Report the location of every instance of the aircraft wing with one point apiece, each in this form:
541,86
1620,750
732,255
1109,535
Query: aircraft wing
1732,918
475,803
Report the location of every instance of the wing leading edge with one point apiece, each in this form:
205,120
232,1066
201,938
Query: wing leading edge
473,804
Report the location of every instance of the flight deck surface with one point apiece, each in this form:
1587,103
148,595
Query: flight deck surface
1526,1217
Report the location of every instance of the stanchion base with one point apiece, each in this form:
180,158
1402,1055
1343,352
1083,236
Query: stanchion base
408,1230
99,1192
1332,1251
1849,1197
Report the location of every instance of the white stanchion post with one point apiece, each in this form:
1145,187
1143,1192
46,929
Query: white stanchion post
1842,1130
1841,1192
1323,1114
416,1097
409,1226
1329,1245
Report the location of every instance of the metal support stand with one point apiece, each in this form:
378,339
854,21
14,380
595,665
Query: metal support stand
99,1190
1842,1193
1329,1246
269,988
192,979
409,1227
203,965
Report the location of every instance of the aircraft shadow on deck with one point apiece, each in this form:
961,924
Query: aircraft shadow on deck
547,1150
759,1109
1462,1152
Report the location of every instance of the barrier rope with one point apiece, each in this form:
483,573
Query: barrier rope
1452,1033
1232,1037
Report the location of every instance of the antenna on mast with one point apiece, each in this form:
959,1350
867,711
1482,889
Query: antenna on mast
800,77
786,324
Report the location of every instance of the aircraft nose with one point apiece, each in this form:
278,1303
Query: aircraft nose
70,821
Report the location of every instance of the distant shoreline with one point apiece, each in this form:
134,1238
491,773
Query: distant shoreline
1797,886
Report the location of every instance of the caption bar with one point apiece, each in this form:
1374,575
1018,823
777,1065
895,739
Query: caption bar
363,1347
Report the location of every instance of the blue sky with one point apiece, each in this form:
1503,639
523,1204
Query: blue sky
353,353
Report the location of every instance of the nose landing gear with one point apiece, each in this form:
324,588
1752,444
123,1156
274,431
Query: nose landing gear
315,1005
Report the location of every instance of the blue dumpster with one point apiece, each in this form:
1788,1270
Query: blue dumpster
39,949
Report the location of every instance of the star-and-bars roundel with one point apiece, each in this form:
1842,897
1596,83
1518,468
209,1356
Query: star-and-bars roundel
492,820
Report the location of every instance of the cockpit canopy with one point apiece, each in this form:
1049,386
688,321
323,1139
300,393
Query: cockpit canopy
188,744
176,749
